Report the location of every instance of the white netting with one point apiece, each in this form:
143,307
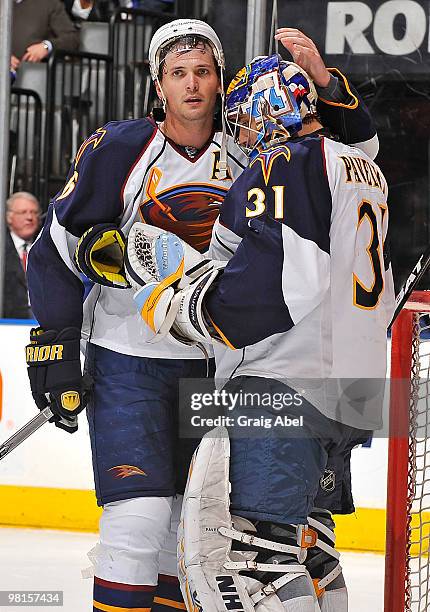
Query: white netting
417,591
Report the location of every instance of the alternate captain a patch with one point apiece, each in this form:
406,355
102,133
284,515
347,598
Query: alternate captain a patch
189,211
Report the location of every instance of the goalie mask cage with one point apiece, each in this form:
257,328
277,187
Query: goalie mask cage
407,566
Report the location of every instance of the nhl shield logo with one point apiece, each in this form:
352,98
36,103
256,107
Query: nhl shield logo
328,480
70,400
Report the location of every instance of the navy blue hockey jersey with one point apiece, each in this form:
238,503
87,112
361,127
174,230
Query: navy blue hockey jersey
309,292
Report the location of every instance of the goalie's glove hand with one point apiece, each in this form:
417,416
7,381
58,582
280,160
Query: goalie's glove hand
158,264
54,370
154,255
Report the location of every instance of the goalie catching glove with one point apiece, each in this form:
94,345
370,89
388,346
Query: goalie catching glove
170,279
54,370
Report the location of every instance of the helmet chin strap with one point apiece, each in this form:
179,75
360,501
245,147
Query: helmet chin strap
163,97
223,165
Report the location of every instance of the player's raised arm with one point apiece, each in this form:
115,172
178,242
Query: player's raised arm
339,105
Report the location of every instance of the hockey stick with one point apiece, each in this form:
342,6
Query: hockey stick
36,422
27,430
411,282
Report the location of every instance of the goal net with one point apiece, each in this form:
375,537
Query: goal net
407,566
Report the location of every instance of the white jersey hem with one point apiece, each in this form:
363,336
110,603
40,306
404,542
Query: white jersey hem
191,353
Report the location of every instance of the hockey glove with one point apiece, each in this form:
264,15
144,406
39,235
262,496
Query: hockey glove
158,264
54,370
99,255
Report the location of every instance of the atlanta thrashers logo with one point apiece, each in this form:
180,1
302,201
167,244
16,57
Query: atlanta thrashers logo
189,211
124,471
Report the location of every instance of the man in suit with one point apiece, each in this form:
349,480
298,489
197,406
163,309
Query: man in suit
81,10
39,27
23,221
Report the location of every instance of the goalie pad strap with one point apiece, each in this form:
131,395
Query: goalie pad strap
327,548
246,538
323,582
317,543
262,567
337,570
323,528
330,550
273,587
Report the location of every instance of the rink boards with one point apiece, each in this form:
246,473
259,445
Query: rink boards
48,482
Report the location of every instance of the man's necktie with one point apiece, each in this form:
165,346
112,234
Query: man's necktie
24,256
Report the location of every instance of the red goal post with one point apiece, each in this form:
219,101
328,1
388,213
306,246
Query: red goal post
407,563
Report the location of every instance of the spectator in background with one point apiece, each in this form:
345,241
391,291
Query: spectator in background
81,10
39,27
150,5
23,222
105,8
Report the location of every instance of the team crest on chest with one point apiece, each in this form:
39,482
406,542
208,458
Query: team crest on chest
188,210
266,159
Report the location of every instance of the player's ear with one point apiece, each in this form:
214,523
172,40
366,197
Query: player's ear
158,90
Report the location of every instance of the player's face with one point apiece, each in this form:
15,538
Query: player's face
190,84
248,132
23,218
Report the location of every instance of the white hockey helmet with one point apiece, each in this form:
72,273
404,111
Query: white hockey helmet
181,28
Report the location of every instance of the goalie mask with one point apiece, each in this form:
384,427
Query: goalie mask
267,101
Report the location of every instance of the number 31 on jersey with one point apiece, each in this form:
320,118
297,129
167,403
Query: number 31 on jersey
367,296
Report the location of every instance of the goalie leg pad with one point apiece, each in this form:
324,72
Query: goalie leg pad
208,567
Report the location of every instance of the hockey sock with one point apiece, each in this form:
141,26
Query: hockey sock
108,596
168,595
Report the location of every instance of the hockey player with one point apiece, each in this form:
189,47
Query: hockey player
311,279
172,175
